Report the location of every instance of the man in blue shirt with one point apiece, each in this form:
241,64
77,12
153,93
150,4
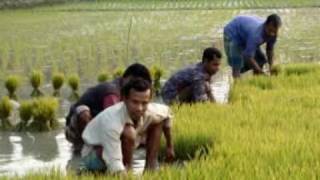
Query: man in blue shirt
242,39
192,84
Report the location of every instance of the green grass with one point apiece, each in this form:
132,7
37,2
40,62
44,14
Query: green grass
263,133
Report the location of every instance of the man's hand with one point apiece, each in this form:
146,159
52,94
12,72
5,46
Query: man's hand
170,155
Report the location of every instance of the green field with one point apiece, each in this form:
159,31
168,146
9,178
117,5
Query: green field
159,4
270,128
88,42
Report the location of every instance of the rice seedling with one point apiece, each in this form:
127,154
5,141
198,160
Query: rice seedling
44,114
300,69
73,83
25,113
5,112
118,73
57,83
103,77
276,70
36,80
156,73
12,83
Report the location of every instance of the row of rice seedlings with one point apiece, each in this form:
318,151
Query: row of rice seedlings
42,111
13,82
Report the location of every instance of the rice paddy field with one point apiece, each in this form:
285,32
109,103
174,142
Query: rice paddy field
269,129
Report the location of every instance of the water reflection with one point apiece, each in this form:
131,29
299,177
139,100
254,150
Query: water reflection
40,146
22,152
6,149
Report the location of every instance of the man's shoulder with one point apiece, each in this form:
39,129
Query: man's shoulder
249,18
110,111
159,109
189,69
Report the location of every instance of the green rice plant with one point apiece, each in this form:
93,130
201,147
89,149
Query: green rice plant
118,73
57,83
73,83
12,83
6,109
25,113
300,69
44,114
103,77
36,80
261,82
156,73
276,70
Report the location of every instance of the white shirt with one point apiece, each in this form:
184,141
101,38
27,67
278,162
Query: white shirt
106,128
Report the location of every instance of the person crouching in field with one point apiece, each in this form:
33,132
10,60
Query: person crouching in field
95,100
192,84
123,127
243,37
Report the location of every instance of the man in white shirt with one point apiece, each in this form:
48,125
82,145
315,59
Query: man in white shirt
121,128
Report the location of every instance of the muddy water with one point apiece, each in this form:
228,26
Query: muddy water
24,152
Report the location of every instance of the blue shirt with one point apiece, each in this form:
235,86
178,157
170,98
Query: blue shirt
248,33
193,76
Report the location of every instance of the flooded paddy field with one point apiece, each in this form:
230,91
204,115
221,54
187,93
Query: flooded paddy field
87,42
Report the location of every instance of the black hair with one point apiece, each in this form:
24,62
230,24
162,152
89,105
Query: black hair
138,84
138,70
274,20
210,54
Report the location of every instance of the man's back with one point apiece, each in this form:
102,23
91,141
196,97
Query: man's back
182,79
94,97
241,27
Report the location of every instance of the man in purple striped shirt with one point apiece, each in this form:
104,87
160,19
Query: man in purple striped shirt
192,84
242,39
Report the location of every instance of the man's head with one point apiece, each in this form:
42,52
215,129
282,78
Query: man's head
136,94
136,70
272,25
211,60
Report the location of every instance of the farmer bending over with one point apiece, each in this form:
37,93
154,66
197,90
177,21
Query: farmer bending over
96,99
192,84
243,37
123,127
